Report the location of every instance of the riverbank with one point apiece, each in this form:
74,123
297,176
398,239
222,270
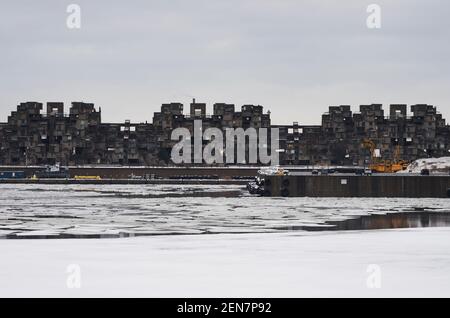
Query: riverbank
127,181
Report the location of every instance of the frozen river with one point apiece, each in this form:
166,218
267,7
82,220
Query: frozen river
273,256
46,211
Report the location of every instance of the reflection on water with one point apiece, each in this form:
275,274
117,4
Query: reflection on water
98,211
380,221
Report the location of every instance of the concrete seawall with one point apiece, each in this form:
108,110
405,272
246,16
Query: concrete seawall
124,172
409,186
124,181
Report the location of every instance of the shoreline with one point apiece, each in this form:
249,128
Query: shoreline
126,181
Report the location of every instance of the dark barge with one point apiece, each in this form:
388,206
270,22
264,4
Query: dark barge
350,185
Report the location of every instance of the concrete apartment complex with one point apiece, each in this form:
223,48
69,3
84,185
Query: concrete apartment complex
33,137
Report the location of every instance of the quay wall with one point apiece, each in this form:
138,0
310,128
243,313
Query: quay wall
408,186
109,172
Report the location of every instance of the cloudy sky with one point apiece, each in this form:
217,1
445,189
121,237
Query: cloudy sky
295,57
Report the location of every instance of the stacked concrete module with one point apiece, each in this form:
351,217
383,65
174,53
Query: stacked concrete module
34,137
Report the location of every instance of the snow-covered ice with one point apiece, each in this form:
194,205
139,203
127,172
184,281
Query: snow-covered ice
411,262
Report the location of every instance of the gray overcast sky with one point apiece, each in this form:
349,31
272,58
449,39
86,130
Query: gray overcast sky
293,57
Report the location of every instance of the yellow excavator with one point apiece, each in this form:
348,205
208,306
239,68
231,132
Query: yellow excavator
381,165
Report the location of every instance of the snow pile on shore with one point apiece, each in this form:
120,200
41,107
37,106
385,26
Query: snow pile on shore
433,164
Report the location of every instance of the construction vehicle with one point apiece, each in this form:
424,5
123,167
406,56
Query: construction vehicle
381,165
403,163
